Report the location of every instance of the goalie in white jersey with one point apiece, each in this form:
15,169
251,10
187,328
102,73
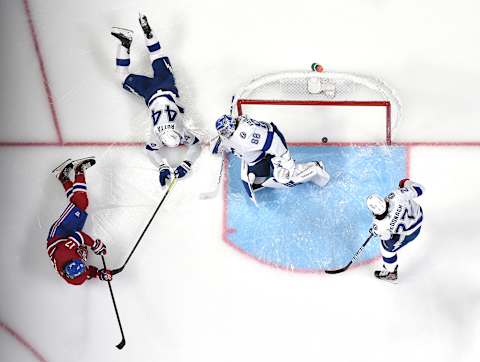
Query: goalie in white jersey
266,160
161,97
397,221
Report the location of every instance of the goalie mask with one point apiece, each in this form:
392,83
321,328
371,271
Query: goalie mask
169,137
376,204
74,268
226,125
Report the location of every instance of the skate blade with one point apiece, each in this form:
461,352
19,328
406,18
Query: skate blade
116,29
62,165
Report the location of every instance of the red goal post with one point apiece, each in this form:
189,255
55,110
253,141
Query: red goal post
322,89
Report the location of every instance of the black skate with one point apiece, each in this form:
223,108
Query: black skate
82,164
124,35
384,274
62,171
142,19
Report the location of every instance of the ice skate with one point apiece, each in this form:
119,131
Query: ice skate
82,164
384,274
124,35
62,171
142,19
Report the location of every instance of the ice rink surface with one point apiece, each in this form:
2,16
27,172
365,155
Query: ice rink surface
186,294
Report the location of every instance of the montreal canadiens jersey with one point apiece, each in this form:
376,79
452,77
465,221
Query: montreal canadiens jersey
63,250
252,140
404,215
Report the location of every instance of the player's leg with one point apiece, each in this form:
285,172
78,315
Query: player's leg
162,68
123,51
73,218
137,84
389,254
390,260
62,173
311,172
78,192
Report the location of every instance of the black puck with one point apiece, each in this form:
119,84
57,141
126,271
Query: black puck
324,139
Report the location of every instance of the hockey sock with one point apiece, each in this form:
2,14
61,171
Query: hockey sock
123,62
154,48
78,192
389,259
67,185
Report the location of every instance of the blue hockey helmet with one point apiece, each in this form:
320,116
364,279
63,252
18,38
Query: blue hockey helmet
225,126
74,268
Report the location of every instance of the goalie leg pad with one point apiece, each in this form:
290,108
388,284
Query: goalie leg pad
310,171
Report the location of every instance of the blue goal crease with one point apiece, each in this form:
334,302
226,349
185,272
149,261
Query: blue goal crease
309,228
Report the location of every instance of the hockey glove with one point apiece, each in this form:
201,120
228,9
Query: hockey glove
105,275
183,169
165,174
99,248
404,182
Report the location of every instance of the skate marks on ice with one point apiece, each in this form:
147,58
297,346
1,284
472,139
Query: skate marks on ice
305,228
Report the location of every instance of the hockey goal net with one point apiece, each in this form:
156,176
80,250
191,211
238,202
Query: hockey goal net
308,106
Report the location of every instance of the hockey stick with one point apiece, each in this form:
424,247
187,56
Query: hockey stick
214,192
336,271
170,187
122,342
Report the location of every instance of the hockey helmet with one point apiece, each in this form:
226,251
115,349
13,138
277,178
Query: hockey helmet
225,126
169,137
376,204
74,268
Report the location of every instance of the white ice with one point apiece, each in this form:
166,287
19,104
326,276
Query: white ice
186,295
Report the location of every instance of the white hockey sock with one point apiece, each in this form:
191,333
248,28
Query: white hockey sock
154,48
389,259
123,63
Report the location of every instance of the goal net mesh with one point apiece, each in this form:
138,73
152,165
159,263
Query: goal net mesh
322,89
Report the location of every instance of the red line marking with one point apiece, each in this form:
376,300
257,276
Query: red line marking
73,144
22,341
226,231
311,144
41,64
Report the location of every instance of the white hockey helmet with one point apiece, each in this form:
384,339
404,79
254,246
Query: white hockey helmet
376,204
169,137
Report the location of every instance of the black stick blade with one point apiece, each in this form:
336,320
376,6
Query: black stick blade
118,270
336,271
121,344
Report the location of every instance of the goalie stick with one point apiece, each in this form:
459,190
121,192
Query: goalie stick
355,256
122,342
214,192
170,187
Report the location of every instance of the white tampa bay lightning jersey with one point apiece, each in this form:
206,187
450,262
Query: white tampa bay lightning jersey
404,216
167,114
252,140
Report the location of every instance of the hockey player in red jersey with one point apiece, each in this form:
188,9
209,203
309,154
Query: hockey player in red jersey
67,243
